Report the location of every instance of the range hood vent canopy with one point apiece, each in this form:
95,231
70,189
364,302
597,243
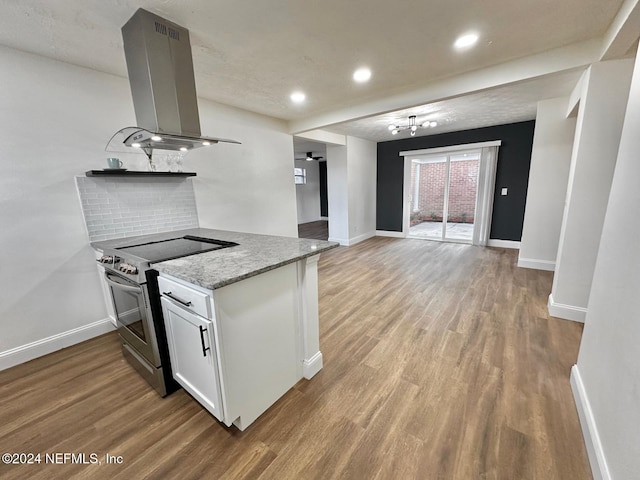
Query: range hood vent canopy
160,67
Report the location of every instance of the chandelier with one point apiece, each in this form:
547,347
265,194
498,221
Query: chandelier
413,126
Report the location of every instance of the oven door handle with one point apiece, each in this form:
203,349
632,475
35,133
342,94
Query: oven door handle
120,286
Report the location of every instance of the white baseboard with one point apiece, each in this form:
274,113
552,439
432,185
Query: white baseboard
547,265
324,218
24,353
341,241
568,312
597,459
352,241
386,233
317,219
312,366
503,244
361,238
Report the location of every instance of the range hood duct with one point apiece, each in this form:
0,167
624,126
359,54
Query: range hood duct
163,87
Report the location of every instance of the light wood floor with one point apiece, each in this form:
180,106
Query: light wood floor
440,363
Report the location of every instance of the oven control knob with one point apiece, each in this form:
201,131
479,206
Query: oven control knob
126,268
106,259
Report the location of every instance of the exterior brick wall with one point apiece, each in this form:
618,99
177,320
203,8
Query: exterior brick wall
463,187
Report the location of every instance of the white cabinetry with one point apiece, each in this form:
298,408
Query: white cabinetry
192,349
237,349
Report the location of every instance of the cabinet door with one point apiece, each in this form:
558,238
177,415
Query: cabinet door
193,355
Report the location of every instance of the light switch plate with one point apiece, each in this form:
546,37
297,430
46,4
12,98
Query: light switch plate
503,192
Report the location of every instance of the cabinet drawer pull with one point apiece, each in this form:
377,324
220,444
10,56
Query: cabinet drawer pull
204,350
179,300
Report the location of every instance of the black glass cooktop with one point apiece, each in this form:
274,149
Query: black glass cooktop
175,248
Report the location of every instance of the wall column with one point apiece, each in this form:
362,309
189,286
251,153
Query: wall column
351,181
603,99
606,380
338,194
548,177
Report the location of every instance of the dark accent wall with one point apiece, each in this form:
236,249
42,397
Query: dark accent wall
324,197
514,157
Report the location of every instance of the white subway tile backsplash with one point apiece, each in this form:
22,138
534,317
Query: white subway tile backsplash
136,206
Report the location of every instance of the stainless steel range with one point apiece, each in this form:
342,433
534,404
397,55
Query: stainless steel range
136,302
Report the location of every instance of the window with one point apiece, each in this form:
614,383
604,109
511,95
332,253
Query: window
300,175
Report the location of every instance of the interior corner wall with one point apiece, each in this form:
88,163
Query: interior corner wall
50,293
361,171
512,172
247,187
609,356
599,125
308,194
338,194
548,177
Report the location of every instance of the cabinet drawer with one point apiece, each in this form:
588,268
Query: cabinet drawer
193,300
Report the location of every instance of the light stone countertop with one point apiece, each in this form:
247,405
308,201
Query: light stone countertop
253,255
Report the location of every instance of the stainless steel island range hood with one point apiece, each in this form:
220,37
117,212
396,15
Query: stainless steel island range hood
160,67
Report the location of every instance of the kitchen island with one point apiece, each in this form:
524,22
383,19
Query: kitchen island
241,322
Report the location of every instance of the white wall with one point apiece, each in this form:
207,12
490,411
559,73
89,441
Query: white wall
308,195
548,177
56,120
338,194
248,187
603,103
351,185
361,168
609,359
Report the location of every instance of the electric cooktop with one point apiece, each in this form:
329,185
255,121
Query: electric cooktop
163,250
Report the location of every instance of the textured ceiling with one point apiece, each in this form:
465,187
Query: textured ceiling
253,54
510,104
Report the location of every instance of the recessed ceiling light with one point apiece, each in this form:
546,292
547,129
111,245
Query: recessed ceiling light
362,75
206,143
466,40
184,149
156,138
136,145
298,97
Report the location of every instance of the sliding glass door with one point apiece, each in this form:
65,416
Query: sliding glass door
444,189
462,195
450,193
429,179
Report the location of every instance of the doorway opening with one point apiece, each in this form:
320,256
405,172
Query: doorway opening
310,173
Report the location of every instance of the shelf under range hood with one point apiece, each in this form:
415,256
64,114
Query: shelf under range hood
108,173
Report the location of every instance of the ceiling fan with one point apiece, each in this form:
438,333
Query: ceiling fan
310,157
